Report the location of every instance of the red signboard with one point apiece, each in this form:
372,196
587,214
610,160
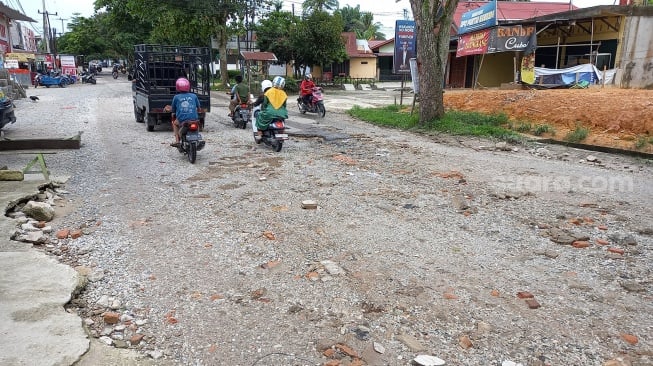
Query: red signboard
473,43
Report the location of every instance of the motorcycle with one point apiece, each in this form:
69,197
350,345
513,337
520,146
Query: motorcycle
88,77
7,115
191,140
274,135
241,116
315,106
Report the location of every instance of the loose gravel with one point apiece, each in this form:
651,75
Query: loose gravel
419,245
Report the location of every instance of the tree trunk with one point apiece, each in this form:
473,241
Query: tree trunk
222,48
433,20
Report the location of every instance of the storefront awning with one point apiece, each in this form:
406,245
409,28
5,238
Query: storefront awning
14,14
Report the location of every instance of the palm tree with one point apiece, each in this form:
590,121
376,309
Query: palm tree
351,18
310,6
370,28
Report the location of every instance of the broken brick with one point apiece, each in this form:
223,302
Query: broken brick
525,295
580,244
532,303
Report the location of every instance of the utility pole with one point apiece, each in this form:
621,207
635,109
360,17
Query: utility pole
63,29
47,32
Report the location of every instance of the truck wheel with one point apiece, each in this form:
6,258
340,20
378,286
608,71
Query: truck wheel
138,115
151,121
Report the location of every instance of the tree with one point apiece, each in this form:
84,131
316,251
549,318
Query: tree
274,34
361,23
433,22
370,28
311,6
318,40
83,38
351,18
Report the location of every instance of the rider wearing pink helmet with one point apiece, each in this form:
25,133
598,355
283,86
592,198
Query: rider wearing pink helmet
185,106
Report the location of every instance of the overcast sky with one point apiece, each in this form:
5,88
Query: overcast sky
385,12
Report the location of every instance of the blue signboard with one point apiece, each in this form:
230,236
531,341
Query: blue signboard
479,18
405,45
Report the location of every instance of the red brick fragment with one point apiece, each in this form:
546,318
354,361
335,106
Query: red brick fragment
346,350
136,339
532,303
525,295
111,318
63,233
600,241
616,250
75,233
632,339
580,244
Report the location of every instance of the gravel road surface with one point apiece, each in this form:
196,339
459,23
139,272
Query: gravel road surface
470,251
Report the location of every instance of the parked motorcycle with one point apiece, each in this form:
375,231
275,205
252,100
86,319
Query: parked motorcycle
316,104
242,115
191,140
273,136
7,115
88,78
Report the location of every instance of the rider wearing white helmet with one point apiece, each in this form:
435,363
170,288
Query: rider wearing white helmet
273,105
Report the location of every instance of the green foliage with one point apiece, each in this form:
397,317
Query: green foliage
318,40
311,6
524,127
83,38
577,135
641,142
361,23
542,129
453,122
274,34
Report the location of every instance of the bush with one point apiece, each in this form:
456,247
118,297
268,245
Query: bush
577,135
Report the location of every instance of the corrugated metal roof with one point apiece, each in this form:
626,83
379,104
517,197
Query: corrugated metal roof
352,48
258,56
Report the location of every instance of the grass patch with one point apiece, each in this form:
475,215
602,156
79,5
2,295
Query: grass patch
453,122
641,142
524,127
542,129
577,135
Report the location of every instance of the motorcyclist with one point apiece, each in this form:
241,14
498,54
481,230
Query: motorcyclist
185,107
306,89
273,106
265,85
239,95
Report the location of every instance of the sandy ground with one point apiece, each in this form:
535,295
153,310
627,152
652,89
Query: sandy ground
620,118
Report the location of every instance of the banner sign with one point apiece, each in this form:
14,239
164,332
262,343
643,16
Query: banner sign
513,38
479,18
498,39
473,44
405,46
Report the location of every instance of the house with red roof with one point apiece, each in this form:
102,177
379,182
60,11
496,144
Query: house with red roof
360,62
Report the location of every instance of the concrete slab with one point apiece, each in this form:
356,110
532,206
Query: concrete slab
365,87
348,87
35,328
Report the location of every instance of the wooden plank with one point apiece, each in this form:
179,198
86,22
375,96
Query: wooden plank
36,144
